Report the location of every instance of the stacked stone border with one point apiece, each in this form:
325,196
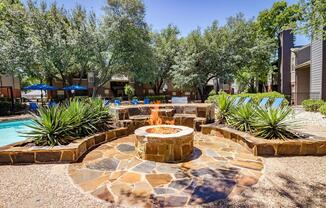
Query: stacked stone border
21,153
192,115
263,147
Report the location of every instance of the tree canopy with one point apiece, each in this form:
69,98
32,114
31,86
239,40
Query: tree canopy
51,43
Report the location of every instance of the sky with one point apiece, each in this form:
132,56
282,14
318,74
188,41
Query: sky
187,15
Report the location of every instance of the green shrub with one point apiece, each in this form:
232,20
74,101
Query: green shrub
212,93
59,125
322,109
129,91
274,123
256,97
157,97
312,105
5,107
224,106
242,117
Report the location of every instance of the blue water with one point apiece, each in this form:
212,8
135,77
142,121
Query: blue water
9,131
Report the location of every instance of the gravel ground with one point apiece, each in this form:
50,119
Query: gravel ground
41,186
286,182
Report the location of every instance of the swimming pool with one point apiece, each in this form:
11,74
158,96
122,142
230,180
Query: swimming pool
9,131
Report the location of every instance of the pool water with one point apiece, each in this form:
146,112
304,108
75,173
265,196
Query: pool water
10,132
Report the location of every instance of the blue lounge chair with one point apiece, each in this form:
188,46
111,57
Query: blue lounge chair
135,101
246,100
117,102
33,106
147,101
236,101
277,103
106,102
263,102
52,104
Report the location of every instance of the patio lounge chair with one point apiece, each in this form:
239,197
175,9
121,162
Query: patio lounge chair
277,103
147,101
52,104
246,100
117,102
263,102
106,102
135,101
236,101
33,106
179,100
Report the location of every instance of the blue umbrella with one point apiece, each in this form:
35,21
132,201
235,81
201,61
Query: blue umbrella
75,87
41,87
44,87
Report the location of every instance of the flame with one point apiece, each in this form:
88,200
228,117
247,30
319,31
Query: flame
155,118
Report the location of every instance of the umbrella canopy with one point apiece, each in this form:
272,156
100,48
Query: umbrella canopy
75,87
40,87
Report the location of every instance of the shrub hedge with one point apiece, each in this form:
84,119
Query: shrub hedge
5,108
312,105
322,109
256,97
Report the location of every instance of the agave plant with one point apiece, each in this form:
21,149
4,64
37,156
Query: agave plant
60,124
224,107
274,123
51,127
242,118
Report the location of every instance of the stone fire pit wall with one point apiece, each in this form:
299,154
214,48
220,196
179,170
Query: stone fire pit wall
175,147
192,115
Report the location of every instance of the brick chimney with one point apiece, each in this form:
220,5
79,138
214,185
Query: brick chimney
284,57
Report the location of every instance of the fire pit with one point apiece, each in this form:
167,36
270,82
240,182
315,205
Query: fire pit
164,143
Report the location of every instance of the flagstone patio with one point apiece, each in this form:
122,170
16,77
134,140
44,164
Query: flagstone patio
217,169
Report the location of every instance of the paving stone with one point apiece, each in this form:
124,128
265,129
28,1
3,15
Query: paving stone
130,178
145,167
126,147
211,153
107,164
248,164
85,175
217,189
93,156
204,171
142,189
115,175
158,179
181,174
114,171
246,180
164,191
175,201
103,193
180,183
91,185
121,189
167,168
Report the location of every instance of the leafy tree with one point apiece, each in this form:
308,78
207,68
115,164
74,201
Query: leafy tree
281,16
166,46
314,17
14,38
191,71
123,42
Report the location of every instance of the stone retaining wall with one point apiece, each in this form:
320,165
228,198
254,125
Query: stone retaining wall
263,147
192,115
19,154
